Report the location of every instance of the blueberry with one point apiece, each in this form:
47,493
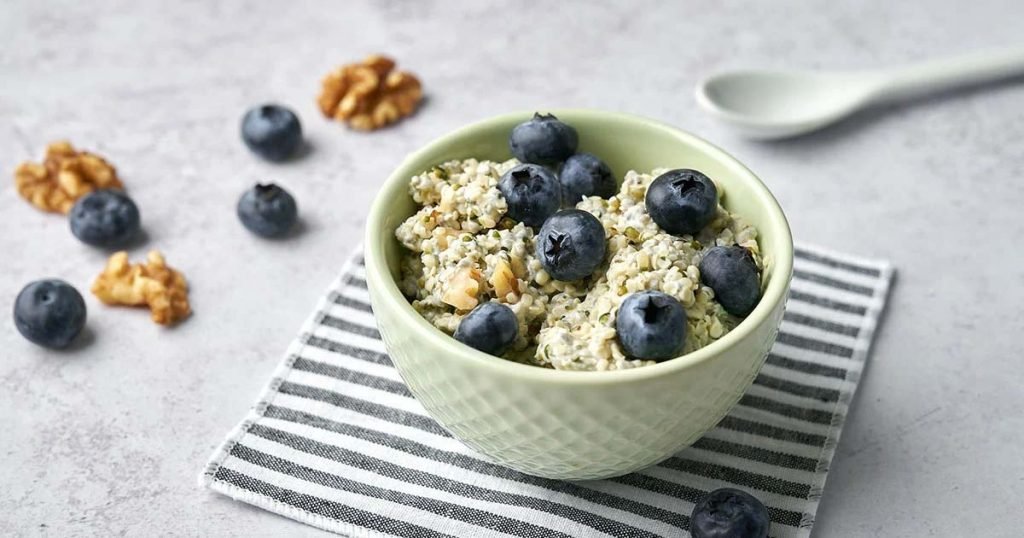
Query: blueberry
682,201
543,140
267,210
729,513
490,327
732,274
651,326
571,244
104,218
50,313
531,192
585,175
271,131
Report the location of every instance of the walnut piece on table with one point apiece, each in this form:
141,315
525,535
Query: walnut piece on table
64,176
152,284
369,95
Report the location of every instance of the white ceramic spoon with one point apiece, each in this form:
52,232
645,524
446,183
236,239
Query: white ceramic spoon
780,104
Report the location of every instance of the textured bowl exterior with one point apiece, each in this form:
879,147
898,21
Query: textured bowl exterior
575,432
578,425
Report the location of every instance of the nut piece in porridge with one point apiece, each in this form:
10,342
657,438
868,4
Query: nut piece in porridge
463,287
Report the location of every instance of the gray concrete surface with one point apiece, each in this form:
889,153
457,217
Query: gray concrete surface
108,439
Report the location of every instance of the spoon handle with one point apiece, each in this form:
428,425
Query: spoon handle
939,75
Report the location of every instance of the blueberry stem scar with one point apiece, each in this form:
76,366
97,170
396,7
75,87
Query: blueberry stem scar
686,184
555,244
651,311
521,175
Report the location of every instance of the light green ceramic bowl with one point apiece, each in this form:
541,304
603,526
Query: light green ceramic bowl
578,425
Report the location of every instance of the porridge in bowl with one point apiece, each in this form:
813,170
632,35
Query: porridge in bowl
619,278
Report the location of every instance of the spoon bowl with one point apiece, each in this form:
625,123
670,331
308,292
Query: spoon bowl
777,104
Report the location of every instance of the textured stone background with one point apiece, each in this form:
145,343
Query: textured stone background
108,439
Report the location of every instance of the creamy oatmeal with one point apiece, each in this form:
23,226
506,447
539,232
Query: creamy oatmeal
465,251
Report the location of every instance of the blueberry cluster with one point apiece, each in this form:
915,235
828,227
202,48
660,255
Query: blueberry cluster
570,243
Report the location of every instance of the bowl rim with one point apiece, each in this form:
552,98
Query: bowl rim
384,288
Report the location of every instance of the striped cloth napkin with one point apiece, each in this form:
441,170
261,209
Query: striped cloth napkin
337,441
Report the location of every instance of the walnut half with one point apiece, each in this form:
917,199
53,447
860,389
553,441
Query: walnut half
64,176
369,95
152,284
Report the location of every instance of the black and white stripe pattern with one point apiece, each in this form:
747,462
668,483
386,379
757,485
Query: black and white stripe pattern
337,441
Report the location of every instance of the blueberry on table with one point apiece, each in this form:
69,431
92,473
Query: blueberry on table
104,218
733,275
571,244
585,175
267,210
271,131
543,139
682,201
49,313
729,513
490,327
651,325
531,192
